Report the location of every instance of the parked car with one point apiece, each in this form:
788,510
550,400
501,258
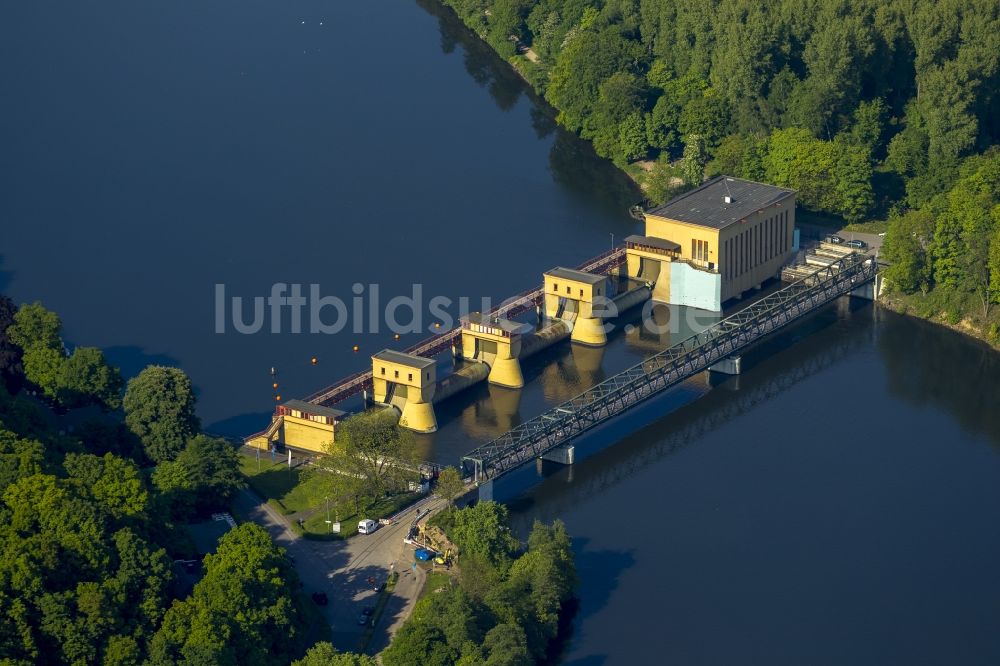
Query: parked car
833,239
859,244
367,526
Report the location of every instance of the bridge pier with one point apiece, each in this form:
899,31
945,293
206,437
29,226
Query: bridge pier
485,491
564,455
731,365
870,290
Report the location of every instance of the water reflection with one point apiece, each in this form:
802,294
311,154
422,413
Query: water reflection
572,160
703,410
482,64
932,367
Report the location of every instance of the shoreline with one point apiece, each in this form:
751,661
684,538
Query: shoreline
964,326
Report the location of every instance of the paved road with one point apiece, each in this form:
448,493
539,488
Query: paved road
342,568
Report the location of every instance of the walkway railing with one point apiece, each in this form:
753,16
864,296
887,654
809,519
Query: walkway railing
362,381
662,371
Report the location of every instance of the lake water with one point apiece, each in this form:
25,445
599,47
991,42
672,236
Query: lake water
835,504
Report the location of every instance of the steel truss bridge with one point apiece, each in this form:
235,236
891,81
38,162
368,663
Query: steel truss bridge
561,424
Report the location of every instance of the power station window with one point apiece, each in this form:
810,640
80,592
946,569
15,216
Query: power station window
396,373
383,371
409,377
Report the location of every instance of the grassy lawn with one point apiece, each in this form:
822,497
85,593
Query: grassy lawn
435,581
283,489
316,527
275,482
873,227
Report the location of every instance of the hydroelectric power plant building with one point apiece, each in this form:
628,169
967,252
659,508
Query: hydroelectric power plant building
715,242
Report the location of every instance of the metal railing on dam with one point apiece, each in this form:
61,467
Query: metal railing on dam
563,423
362,381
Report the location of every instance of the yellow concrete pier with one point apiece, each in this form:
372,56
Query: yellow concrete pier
571,295
408,383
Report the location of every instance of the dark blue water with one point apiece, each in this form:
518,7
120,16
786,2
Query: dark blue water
835,504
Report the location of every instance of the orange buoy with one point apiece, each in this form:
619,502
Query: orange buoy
274,385
397,336
355,348
314,361
437,324
277,398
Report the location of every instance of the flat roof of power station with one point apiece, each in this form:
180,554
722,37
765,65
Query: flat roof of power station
707,206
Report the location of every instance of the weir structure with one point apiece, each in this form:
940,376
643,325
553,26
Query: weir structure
555,430
476,360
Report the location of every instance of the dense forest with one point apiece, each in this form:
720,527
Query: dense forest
93,505
827,96
871,109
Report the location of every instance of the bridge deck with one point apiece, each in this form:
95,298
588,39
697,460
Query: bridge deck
668,368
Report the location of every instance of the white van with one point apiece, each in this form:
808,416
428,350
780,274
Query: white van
367,526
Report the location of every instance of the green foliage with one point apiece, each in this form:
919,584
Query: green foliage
509,620
370,446
481,532
952,244
86,375
324,654
243,611
34,326
111,481
11,369
213,470
907,249
160,409
829,176
910,82
449,484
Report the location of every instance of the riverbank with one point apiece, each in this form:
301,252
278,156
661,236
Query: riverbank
930,310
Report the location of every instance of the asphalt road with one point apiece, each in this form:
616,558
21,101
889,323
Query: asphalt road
343,567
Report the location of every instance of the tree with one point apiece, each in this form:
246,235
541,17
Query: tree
994,261
373,446
243,611
112,481
907,250
324,654
212,470
11,369
86,376
36,326
693,166
449,485
160,409
43,366
632,143
506,645
482,531
419,644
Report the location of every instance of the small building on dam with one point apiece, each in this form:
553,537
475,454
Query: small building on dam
715,242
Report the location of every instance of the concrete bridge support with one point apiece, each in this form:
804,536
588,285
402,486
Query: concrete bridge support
731,365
